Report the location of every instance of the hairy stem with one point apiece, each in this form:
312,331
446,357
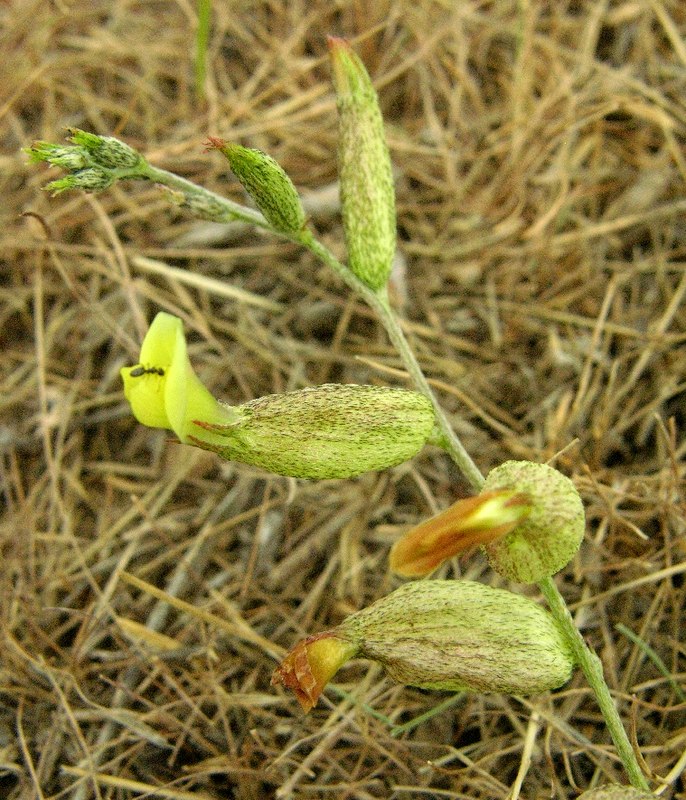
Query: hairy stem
232,211
593,670
379,302
449,440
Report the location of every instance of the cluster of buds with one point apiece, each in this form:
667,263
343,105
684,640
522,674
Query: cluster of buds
330,431
93,162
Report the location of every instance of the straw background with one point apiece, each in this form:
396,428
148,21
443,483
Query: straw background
540,150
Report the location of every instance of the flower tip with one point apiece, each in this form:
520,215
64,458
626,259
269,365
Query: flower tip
349,75
469,522
311,664
214,143
334,42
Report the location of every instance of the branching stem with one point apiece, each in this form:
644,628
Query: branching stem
587,660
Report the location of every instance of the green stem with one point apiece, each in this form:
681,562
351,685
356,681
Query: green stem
379,302
202,37
231,210
449,440
593,670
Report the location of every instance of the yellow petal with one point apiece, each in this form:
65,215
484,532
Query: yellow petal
144,383
163,389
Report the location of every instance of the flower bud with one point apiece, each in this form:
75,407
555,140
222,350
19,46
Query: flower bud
267,183
93,179
66,157
200,204
445,635
106,151
547,539
468,522
613,791
329,431
364,164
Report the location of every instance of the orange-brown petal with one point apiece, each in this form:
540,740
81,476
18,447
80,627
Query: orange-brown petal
472,521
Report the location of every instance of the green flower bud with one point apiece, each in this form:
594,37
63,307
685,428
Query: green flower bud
68,158
201,205
445,635
547,539
92,179
106,151
267,183
364,164
329,431
613,791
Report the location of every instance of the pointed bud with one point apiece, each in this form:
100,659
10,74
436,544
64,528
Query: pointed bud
106,151
311,664
68,158
366,179
549,537
329,431
446,635
613,791
92,179
475,520
200,204
267,183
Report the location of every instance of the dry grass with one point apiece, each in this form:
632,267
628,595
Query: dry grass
146,590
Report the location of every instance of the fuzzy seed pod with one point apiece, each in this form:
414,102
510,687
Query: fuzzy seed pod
445,635
457,635
268,185
549,537
364,165
329,431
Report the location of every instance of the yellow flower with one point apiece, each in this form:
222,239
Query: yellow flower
329,431
163,390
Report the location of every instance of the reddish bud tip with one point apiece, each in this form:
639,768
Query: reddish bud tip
214,143
311,664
